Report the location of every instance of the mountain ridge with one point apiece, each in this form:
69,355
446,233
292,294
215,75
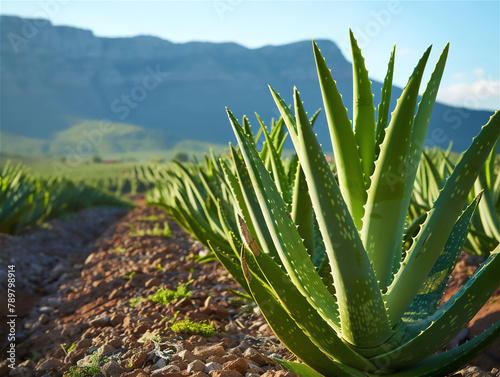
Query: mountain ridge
180,90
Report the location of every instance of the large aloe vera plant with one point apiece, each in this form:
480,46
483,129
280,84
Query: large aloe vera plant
373,307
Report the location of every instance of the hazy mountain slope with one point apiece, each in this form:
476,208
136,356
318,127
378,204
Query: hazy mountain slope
62,74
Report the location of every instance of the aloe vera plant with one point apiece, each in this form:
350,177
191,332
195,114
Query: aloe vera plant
26,199
434,169
372,308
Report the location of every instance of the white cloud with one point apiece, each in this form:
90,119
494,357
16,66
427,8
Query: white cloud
479,72
481,94
459,76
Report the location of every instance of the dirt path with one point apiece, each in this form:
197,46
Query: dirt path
98,302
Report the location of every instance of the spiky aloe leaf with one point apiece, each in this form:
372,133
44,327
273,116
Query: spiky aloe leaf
487,210
302,210
430,334
248,205
384,219
312,119
231,264
435,231
442,364
284,234
290,334
247,127
432,290
384,105
307,318
363,320
278,170
364,111
350,173
303,370
417,138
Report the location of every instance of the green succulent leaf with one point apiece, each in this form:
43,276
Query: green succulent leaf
290,334
384,105
384,219
432,237
345,150
286,239
429,296
364,112
350,266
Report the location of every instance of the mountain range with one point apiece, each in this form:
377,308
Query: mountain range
156,93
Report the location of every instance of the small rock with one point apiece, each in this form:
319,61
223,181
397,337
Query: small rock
252,375
53,302
188,345
235,351
49,364
196,366
161,364
21,372
153,282
239,364
101,321
105,348
187,356
28,364
256,357
226,373
206,351
44,319
85,361
211,366
182,365
138,358
216,359
110,368
74,355
82,344
46,310
232,327
230,357
141,329
169,368
197,339
472,370
116,319
162,373
184,303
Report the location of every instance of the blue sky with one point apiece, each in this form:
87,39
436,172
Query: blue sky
472,77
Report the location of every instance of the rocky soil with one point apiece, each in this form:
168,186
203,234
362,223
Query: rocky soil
90,313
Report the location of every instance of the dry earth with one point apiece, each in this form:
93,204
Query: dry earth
75,284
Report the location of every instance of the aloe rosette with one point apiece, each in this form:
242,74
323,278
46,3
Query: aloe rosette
370,306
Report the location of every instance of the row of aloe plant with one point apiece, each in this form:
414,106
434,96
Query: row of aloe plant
325,256
26,199
435,168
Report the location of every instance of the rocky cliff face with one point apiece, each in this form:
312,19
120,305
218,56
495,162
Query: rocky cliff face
53,77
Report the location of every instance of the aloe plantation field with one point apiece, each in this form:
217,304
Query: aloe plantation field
373,255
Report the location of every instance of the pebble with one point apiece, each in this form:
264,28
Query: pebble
196,366
240,364
187,356
206,351
211,366
101,321
49,364
226,373
110,368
